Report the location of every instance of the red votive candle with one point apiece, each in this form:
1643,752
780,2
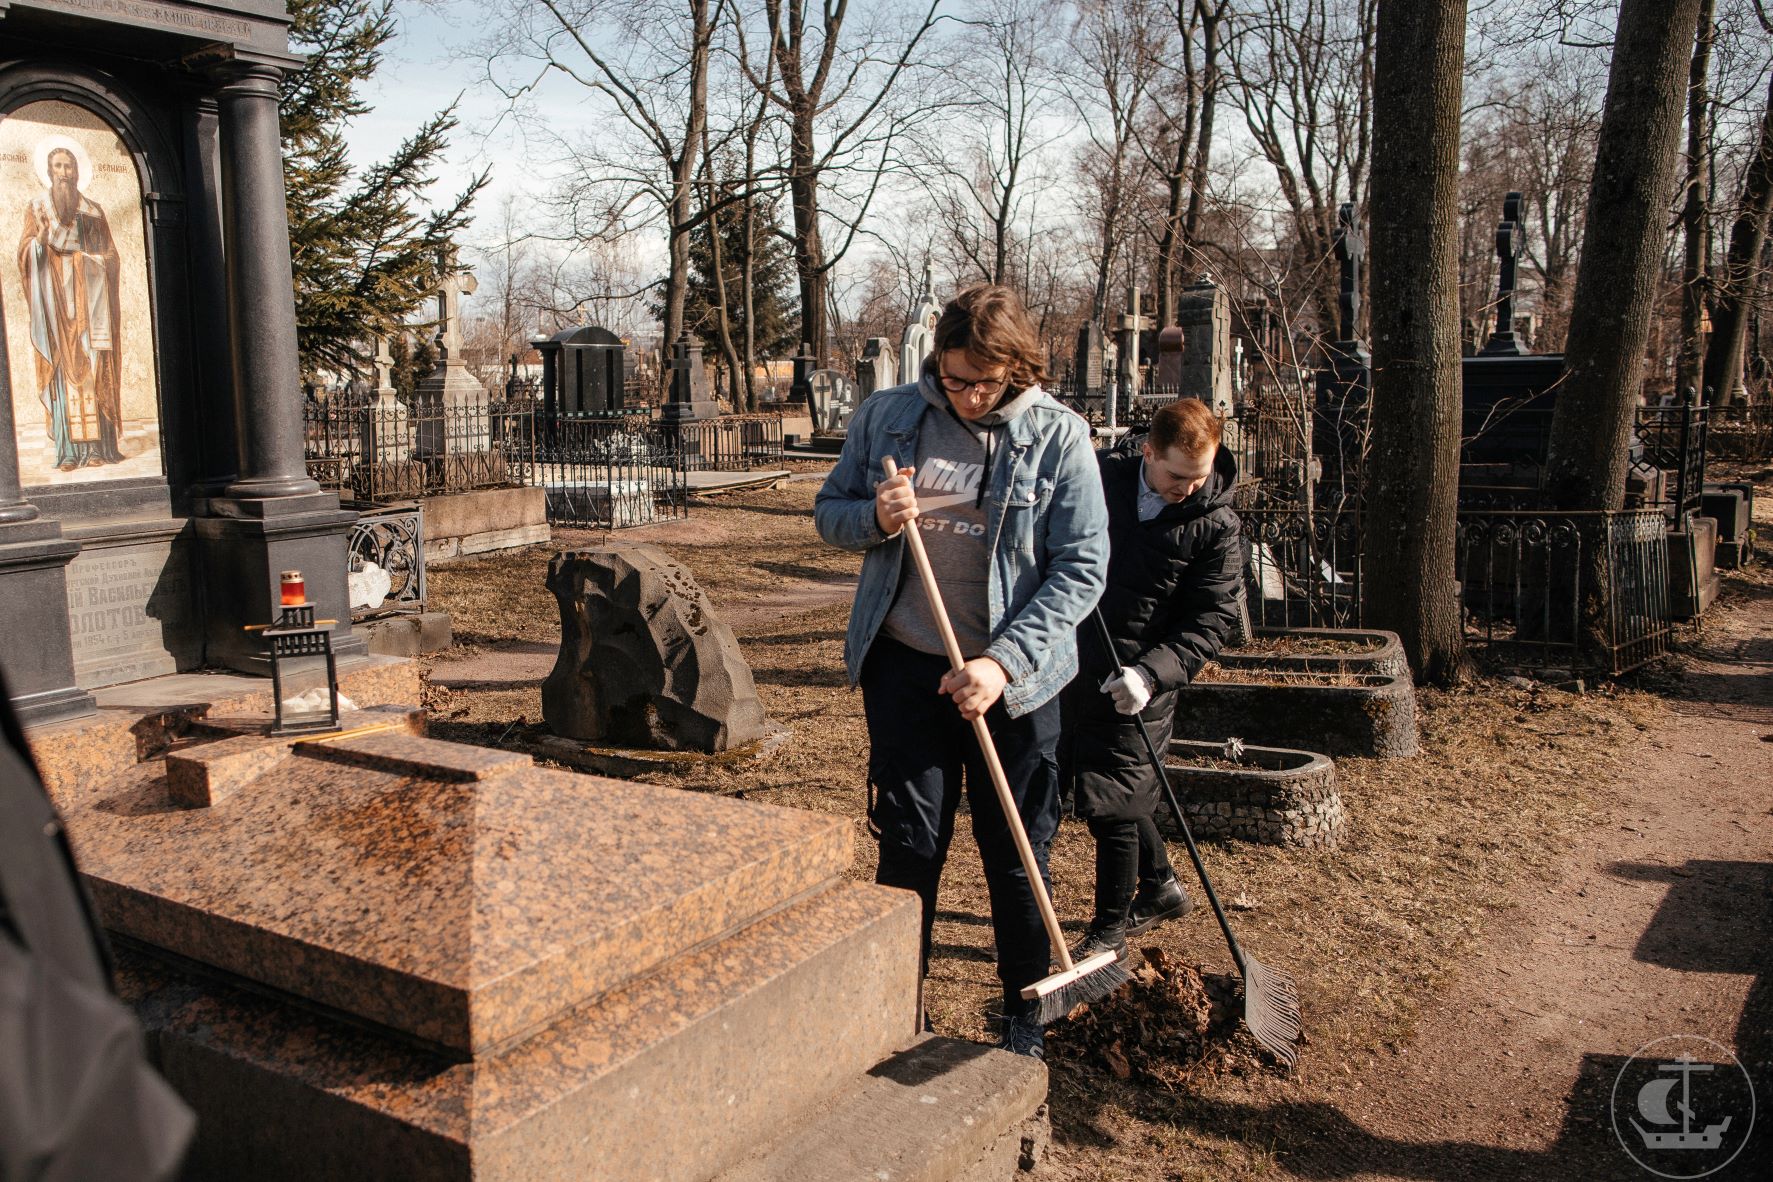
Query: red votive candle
295,592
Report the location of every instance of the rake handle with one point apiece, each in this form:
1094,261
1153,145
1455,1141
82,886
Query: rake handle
1006,802
1163,782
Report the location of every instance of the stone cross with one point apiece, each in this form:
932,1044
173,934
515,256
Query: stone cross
1351,252
1508,250
455,285
384,365
1128,326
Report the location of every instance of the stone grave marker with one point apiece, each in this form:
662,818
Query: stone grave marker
454,409
583,371
163,447
834,400
390,423
800,386
920,331
691,396
876,371
1088,366
1169,356
644,660
1504,341
1128,326
1208,365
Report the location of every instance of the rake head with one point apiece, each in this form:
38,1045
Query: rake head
1271,1009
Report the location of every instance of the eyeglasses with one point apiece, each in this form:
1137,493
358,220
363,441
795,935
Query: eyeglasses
961,385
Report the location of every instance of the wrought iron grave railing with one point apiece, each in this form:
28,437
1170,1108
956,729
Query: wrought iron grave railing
1543,590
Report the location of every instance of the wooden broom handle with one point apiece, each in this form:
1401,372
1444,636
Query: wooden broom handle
933,593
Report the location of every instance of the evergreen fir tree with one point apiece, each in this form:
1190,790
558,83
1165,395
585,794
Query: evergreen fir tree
365,255
773,300
411,364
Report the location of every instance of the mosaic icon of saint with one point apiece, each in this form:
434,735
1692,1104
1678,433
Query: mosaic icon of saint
70,269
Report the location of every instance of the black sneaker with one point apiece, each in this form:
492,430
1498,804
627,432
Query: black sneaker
1023,1036
1155,905
1099,939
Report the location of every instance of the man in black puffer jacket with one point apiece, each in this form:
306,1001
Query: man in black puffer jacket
1174,571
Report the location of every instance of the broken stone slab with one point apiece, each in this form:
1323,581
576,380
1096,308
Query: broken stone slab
644,661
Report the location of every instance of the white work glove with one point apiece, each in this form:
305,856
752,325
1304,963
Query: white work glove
1129,689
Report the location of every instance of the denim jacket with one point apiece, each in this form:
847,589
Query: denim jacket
1047,523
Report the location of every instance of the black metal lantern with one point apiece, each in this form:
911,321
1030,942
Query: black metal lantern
303,671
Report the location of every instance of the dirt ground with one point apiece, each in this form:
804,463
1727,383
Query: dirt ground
1556,880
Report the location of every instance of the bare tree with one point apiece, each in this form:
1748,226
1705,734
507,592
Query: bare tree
653,71
1412,487
1119,47
833,81
1184,143
1534,131
1303,75
1696,204
981,172
1621,254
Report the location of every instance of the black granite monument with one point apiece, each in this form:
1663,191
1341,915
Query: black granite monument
152,482
584,372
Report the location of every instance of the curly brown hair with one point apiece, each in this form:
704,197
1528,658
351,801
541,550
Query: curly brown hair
990,324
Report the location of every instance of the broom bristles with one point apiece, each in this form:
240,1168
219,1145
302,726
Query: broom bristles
1085,989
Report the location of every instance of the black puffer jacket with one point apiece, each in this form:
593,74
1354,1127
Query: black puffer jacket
1170,603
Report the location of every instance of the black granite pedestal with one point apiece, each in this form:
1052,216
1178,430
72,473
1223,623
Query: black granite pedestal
242,557
34,559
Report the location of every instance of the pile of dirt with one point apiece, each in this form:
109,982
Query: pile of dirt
1169,1020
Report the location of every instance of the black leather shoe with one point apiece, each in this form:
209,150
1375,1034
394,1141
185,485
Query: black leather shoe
1155,905
1099,939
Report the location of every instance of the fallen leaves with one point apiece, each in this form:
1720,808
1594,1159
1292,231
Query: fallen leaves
1168,1019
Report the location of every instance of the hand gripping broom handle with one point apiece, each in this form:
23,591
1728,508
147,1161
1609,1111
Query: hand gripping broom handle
913,538
1163,781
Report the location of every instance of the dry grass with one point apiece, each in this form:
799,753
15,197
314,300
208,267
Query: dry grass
1436,845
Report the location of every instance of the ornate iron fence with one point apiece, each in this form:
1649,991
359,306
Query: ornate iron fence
1304,566
730,442
1571,591
384,451
393,540
606,473
1740,433
1673,440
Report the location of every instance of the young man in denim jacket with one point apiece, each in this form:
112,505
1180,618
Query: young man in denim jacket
1002,482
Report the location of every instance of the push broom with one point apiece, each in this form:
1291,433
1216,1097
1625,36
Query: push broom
1271,998
1074,984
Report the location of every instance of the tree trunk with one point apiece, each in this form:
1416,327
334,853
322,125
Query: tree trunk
683,190
1622,243
1169,245
1696,209
717,256
809,251
1413,470
1737,286
1211,79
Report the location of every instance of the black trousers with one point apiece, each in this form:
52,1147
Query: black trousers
1130,856
922,754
